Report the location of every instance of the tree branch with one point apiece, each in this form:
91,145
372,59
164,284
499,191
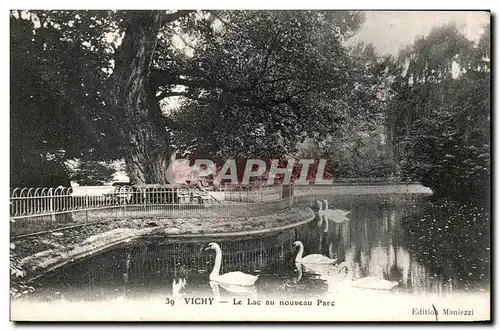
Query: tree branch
188,96
160,77
167,18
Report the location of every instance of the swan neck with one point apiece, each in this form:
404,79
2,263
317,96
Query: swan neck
218,261
326,204
298,258
320,206
299,269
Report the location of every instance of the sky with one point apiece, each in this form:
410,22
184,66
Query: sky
391,30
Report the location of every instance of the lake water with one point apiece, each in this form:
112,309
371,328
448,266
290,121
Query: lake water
428,248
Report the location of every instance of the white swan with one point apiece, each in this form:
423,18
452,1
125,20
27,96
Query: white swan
373,283
298,266
336,215
312,258
230,278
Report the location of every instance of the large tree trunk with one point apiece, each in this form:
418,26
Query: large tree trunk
140,123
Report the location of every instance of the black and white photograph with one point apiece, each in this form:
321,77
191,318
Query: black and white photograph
292,165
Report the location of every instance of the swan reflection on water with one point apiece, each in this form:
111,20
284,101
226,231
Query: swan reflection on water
177,286
296,278
247,291
325,215
370,282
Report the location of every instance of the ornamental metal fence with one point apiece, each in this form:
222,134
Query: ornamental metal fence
35,210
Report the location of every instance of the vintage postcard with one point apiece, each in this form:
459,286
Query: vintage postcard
250,165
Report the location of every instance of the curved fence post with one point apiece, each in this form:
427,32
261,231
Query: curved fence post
51,204
86,205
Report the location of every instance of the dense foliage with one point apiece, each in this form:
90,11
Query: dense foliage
57,110
140,85
268,80
254,84
440,113
91,173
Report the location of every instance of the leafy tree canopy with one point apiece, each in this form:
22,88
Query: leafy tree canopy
440,113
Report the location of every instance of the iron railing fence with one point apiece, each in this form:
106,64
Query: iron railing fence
41,209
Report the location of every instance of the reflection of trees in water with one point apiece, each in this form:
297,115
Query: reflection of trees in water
422,280
452,239
376,243
391,241
286,286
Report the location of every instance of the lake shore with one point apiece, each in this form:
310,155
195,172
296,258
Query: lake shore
35,255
